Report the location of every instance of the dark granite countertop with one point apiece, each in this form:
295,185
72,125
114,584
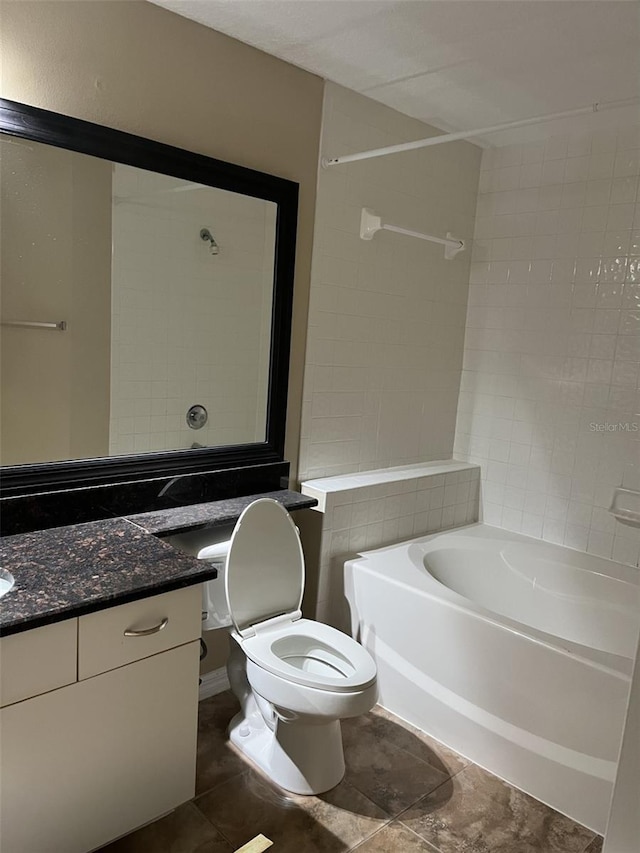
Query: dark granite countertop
69,571
175,520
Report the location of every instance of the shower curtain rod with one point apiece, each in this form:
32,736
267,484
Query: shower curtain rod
466,134
370,224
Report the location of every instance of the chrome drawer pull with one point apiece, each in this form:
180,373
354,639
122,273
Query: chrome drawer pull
145,632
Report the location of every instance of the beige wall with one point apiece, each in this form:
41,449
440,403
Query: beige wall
55,265
142,69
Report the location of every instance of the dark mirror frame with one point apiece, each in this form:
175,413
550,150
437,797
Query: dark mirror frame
87,138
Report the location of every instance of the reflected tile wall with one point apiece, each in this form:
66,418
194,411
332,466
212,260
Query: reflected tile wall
549,402
188,327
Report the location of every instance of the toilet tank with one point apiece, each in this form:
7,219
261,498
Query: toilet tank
211,544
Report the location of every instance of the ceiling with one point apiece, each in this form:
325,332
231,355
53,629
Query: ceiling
455,64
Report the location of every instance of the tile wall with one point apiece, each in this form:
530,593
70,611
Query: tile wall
377,508
549,403
188,327
386,318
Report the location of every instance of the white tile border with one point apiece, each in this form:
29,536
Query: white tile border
325,486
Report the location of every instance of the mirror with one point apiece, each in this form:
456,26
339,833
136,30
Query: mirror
146,301
158,292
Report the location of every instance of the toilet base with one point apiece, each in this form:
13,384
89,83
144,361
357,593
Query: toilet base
301,758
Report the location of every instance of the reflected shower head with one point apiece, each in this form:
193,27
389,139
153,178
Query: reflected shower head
208,237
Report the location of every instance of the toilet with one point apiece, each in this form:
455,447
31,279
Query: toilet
295,678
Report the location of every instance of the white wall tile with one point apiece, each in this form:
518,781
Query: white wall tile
552,347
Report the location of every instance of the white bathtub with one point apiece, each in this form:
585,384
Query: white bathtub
512,651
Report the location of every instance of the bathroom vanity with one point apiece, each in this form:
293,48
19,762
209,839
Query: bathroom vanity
99,661
99,729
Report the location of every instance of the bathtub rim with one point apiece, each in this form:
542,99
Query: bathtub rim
421,580
507,535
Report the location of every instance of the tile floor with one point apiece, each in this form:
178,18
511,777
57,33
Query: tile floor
402,793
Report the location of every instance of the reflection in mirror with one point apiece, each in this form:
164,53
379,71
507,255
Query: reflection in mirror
166,290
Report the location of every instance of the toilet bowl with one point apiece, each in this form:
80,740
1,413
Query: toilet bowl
295,678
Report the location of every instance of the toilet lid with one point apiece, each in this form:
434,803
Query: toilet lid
265,565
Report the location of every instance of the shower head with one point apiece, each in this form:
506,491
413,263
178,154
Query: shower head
208,237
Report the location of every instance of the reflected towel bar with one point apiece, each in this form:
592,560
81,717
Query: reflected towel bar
61,326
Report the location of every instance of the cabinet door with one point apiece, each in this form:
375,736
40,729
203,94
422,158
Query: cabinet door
87,763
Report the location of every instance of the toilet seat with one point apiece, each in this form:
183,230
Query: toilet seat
313,654
264,575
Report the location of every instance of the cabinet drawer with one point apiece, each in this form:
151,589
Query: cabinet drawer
130,632
38,660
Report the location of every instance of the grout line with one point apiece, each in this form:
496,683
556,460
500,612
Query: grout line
424,840
433,767
386,826
589,843
419,798
217,828
424,796
448,777
369,837
398,721
218,785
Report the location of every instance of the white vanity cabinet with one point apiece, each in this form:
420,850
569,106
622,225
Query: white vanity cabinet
105,738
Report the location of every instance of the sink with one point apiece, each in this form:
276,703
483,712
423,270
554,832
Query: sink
6,582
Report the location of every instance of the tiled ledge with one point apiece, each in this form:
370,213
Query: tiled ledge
382,477
370,509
